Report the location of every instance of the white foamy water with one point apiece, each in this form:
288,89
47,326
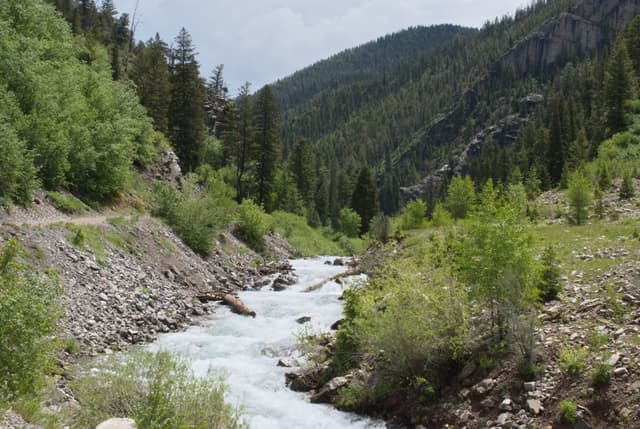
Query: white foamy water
246,351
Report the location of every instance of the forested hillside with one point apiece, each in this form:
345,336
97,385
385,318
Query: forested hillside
318,98
436,107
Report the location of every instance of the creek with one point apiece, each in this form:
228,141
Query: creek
246,350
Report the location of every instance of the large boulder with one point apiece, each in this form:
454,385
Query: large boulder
330,389
118,424
306,379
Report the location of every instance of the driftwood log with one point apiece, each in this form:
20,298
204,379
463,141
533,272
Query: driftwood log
335,278
237,306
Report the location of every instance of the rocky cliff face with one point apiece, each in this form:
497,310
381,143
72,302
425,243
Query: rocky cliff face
588,26
575,34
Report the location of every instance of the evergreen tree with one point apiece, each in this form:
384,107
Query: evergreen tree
579,149
238,138
266,145
150,72
556,149
619,87
579,195
186,114
301,167
365,199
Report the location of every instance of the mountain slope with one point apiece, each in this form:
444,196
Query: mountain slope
334,88
422,115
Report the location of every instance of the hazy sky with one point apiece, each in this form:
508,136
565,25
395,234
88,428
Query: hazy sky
261,41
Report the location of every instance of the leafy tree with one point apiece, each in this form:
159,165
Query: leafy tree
579,196
350,222
497,262
460,196
365,199
414,214
381,228
28,315
266,145
186,114
251,225
440,216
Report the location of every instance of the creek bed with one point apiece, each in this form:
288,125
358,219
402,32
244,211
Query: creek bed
246,350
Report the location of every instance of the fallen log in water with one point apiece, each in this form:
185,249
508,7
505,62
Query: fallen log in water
238,306
333,279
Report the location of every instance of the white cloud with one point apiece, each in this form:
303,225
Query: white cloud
263,40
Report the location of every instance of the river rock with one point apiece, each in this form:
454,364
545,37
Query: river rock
304,319
535,406
338,262
329,390
283,281
306,379
287,363
117,424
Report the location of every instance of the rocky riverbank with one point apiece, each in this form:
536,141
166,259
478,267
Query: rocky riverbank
126,279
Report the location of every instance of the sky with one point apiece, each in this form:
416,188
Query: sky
261,41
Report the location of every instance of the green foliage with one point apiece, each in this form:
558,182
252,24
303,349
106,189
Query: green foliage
28,316
68,205
599,208
365,199
497,262
349,222
198,212
251,224
568,411
414,215
17,172
460,196
579,196
601,375
302,169
627,188
413,317
157,390
150,72
620,86
440,216
266,145
381,228
83,130
550,284
572,360
307,241
620,147
186,113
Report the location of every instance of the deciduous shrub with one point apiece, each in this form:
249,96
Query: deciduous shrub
28,314
350,222
157,390
251,224
414,215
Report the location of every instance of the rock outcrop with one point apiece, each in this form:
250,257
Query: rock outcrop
571,36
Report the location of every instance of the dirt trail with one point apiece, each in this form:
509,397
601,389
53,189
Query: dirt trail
94,220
